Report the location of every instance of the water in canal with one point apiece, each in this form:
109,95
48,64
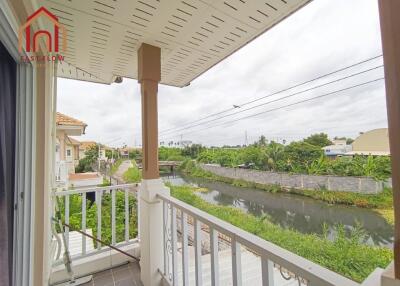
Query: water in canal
292,211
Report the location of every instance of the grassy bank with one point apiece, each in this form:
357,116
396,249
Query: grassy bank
133,175
344,255
383,200
116,166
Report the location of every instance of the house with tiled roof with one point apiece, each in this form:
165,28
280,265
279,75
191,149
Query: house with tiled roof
67,148
65,122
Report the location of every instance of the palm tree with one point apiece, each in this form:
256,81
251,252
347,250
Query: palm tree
272,154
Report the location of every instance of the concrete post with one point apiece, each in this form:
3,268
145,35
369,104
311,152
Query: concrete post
390,28
151,211
43,177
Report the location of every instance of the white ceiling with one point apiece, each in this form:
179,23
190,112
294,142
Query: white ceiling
104,35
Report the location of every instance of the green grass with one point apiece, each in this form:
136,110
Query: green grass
346,256
115,166
387,214
133,175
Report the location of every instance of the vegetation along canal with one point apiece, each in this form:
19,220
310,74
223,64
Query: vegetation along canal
291,211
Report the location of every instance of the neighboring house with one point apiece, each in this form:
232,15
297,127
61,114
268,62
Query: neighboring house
73,151
124,152
338,148
67,148
69,151
374,142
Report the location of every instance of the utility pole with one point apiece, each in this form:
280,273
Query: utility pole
98,159
246,142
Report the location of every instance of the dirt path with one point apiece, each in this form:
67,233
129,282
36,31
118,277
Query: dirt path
118,176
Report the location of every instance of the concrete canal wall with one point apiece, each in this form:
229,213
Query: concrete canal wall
310,182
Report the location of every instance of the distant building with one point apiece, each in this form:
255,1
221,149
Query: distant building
124,152
338,148
374,142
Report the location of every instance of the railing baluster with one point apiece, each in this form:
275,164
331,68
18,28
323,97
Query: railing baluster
137,214
84,223
167,241
185,259
99,195
67,219
113,216
165,236
267,268
174,247
236,263
197,251
214,257
126,215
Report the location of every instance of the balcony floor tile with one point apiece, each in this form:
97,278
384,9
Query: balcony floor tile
125,275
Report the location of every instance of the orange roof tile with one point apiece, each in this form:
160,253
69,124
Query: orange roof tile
86,144
63,119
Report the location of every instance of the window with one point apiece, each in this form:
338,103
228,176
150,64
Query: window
68,152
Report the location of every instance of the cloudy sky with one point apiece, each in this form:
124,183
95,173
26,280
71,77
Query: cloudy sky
322,37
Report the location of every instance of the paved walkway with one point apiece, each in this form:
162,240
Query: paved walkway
118,177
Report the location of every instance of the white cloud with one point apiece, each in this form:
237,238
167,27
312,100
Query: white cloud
323,36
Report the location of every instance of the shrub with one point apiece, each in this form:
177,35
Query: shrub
133,175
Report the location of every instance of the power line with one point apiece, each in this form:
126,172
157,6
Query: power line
303,134
287,105
277,92
275,100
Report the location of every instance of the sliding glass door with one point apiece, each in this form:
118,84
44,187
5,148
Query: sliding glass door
8,84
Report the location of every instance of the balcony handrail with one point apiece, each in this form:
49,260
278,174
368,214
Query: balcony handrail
314,273
95,189
126,189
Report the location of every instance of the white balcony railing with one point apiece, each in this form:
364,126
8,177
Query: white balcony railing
61,172
112,203
189,232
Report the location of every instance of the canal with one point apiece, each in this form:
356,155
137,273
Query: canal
292,211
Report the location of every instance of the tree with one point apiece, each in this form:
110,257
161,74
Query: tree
299,155
318,139
261,142
91,156
134,154
348,140
275,154
193,150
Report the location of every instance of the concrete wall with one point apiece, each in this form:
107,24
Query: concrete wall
311,182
